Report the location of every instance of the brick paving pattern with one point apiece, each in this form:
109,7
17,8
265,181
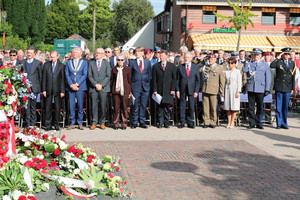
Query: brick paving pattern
202,169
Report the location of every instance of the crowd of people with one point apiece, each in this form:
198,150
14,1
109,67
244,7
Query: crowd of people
156,78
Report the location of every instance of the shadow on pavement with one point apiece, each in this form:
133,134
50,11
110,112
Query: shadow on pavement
175,166
278,137
257,176
288,146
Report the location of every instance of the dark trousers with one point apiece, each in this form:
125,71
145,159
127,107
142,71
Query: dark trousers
258,98
121,109
31,112
164,113
282,106
191,109
267,113
96,97
139,107
48,109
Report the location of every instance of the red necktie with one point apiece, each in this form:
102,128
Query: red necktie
164,67
187,70
141,66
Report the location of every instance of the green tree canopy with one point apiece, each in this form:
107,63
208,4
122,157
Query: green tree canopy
103,18
129,17
62,19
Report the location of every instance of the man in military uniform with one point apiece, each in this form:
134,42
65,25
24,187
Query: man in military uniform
213,83
284,85
258,86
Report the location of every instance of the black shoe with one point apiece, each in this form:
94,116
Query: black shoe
191,126
48,128
205,126
278,127
133,126
284,127
166,126
259,126
251,127
159,126
115,128
143,126
57,128
181,126
123,128
212,126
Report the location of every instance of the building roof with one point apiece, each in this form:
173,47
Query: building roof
75,37
253,1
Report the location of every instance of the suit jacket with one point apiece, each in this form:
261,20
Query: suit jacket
284,77
102,77
126,80
18,62
140,81
81,74
112,64
261,81
53,82
219,61
163,82
35,75
216,79
191,83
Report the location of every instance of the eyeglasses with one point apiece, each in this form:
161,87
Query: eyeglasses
120,59
231,63
66,57
107,52
12,55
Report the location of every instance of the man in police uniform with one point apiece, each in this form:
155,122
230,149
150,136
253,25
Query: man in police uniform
258,86
213,83
284,85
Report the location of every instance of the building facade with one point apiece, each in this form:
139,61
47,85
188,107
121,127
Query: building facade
193,23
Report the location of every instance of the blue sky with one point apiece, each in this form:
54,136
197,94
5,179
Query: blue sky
158,5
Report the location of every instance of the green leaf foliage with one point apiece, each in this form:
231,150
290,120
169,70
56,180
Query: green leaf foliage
129,17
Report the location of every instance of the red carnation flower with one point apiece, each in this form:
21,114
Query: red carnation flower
22,197
117,169
63,138
89,160
79,151
45,136
76,155
31,197
25,98
56,152
7,91
112,165
53,139
110,175
53,163
70,149
5,159
119,183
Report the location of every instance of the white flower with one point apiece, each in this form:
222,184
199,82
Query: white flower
11,99
116,178
62,145
68,157
41,142
106,166
55,146
10,113
27,144
6,197
40,157
16,194
91,182
57,140
76,171
23,159
46,185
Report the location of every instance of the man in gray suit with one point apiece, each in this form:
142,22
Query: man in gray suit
33,68
99,77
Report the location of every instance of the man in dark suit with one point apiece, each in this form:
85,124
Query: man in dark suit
284,85
53,87
13,57
188,87
164,84
220,59
76,71
33,68
113,59
140,86
99,74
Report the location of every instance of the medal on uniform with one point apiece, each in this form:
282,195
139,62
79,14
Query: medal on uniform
281,67
215,73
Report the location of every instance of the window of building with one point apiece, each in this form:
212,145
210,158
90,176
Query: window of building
158,25
268,16
208,15
295,17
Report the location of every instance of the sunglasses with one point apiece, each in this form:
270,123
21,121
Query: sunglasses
12,55
231,63
120,59
66,57
107,52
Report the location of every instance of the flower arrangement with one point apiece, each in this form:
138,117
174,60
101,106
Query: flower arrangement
14,89
44,161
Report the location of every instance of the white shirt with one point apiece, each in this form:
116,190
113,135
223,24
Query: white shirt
115,60
97,62
188,64
14,62
164,63
29,60
138,62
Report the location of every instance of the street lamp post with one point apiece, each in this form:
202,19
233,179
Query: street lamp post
4,16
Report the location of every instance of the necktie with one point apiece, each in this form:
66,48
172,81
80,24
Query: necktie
53,67
75,64
287,63
187,70
164,67
99,65
141,66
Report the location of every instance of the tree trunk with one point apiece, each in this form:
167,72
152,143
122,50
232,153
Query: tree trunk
94,27
239,41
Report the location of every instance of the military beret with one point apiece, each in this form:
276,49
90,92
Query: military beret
147,51
212,56
267,53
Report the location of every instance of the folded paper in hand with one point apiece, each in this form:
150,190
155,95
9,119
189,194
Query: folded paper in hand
157,98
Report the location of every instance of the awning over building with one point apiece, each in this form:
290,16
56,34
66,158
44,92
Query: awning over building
280,42
228,42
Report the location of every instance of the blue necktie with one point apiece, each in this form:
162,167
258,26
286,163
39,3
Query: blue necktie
53,67
287,64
